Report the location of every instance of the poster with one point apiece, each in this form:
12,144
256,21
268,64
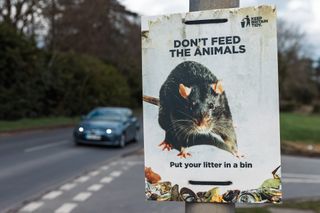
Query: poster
211,111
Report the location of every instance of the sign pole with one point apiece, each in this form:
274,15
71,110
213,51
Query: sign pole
197,5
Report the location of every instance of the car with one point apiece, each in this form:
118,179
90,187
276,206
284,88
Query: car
114,126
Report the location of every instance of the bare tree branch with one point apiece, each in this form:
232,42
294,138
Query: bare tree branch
21,14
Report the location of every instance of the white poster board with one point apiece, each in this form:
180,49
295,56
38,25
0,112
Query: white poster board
211,111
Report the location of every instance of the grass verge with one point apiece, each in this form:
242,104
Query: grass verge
300,134
35,123
47,122
300,128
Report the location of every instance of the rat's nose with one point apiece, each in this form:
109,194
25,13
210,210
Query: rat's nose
198,122
201,120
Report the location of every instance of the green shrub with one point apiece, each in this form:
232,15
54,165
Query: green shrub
34,83
20,71
74,84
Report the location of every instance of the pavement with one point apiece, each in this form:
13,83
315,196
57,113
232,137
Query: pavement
113,187
116,186
43,171
277,210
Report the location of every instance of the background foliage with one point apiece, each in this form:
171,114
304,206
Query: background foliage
64,57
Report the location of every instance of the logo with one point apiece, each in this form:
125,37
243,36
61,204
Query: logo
255,21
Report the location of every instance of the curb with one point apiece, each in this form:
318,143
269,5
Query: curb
289,210
33,129
300,149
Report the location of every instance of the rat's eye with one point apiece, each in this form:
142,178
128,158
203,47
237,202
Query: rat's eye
192,105
211,106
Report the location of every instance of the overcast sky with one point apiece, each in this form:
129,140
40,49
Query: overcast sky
304,13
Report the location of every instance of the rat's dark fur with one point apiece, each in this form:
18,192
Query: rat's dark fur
179,116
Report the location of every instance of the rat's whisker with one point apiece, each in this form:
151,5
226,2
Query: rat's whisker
184,113
180,131
178,123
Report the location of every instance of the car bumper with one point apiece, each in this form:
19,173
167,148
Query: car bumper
96,142
111,141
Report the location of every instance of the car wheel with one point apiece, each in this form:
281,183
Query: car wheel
76,143
122,142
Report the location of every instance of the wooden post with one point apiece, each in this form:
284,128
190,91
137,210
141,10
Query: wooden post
196,5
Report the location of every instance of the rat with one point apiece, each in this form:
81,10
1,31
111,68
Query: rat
194,110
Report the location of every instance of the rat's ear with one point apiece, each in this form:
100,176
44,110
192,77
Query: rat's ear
184,91
217,87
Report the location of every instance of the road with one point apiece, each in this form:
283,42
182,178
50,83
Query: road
301,177
44,172
31,163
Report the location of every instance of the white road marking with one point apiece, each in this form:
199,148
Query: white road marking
116,173
104,167
31,207
113,163
66,208
41,147
296,175
82,196
106,179
94,173
52,195
125,168
299,180
95,187
132,163
82,179
68,186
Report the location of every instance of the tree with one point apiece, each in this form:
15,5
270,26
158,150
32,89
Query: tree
20,75
105,30
295,66
75,84
22,15
55,80
316,76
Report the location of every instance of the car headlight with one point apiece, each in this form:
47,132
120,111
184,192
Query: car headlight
80,129
108,131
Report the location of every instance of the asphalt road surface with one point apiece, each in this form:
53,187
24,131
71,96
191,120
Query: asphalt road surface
44,172
31,163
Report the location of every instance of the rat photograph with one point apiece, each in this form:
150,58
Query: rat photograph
194,110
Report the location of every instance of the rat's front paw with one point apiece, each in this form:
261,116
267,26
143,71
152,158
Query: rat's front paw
183,153
165,146
239,155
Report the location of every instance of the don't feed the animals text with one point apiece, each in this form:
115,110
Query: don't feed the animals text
207,46
210,165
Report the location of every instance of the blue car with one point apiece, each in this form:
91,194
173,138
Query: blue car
107,126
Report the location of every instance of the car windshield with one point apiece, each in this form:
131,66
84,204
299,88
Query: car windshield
105,115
